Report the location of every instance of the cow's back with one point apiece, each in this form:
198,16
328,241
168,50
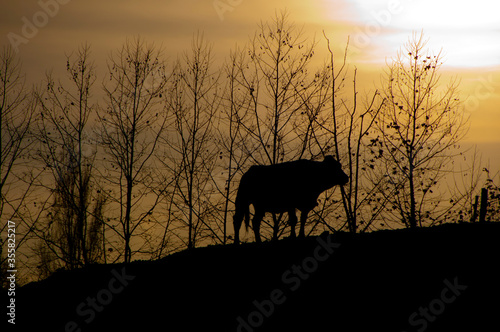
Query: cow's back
281,187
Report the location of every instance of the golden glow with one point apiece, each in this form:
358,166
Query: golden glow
467,31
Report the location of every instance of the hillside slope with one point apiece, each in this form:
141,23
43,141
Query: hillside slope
442,278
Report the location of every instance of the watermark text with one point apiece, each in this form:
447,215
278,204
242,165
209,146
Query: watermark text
11,272
292,280
49,9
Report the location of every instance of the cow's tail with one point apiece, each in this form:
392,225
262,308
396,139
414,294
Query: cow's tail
242,202
246,211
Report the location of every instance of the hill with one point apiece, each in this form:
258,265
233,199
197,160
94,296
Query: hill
441,278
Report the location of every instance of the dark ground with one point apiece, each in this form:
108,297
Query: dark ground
443,278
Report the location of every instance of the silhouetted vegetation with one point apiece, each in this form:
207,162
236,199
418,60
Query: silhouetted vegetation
152,168
418,130
17,179
73,235
131,126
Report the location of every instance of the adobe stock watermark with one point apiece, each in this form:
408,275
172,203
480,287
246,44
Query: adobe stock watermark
372,28
92,306
292,280
484,89
421,319
223,6
49,9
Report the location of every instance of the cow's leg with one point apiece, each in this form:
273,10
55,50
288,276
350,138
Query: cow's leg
303,218
292,220
237,219
257,218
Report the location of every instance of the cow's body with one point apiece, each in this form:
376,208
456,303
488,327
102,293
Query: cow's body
283,188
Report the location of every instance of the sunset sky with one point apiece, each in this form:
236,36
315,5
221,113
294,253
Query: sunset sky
468,32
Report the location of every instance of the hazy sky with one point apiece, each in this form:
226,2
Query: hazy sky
467,31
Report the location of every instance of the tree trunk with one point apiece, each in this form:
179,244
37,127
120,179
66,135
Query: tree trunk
413,213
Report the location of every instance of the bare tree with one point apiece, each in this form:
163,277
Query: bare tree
73,232
231,137
352,147
132,123
277,79
72,239
419,126
194,98
282,92
17,178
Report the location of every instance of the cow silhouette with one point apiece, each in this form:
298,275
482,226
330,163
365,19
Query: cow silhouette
283,188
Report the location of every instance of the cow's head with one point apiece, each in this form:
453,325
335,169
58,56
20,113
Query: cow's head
336,174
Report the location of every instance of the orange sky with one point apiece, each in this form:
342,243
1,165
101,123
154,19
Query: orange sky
467,31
